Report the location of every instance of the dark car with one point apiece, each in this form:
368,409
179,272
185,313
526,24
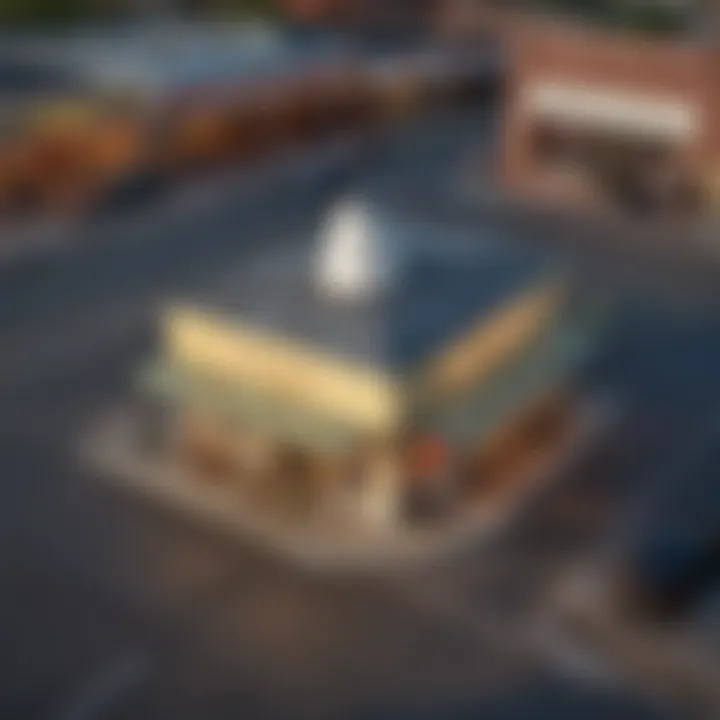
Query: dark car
669,575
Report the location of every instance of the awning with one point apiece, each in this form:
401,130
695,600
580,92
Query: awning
613,109
246,406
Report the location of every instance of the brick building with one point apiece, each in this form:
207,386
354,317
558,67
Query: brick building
609,118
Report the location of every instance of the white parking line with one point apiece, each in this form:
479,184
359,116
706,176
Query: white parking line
550,642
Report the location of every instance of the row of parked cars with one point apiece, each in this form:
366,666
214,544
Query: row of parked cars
158,116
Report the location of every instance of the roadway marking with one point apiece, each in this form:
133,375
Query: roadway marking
577,659
457,599
105,689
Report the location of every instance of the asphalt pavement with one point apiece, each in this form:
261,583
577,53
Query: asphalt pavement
113,609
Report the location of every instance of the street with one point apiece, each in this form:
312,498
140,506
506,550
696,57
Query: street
114,609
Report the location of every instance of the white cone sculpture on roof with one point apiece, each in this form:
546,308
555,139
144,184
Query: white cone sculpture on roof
355,259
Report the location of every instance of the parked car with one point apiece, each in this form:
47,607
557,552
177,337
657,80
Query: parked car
669,574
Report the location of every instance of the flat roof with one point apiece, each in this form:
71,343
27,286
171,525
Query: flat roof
434,300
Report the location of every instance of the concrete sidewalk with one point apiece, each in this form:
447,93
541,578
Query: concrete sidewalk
662,658
110,451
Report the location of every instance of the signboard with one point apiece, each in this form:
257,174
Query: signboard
495,341
613,109
227,350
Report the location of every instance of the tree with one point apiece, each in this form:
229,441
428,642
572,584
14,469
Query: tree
45,12
67,12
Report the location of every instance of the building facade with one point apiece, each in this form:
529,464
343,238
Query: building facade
609,119
360,374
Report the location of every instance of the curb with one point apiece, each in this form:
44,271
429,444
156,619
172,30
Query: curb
661,661
117,463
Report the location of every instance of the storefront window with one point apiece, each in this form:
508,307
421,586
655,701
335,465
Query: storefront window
635,175
554,147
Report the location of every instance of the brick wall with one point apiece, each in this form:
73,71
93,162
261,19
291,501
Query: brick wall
712,82
554,52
